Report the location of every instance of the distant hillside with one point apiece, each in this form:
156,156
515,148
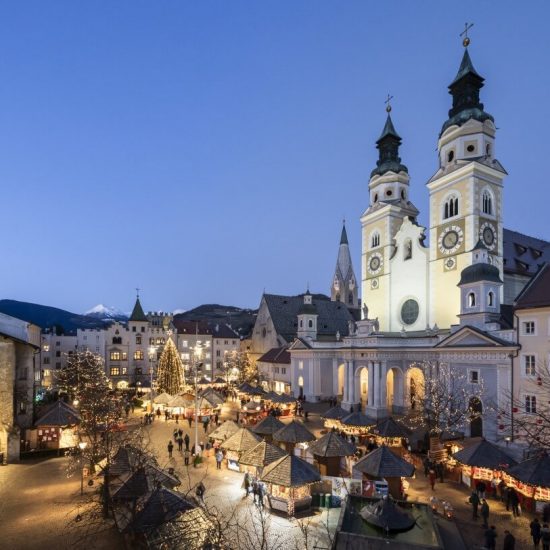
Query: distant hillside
240,320
47,317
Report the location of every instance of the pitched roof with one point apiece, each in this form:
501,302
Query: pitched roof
163,398
331,444
344,235
241,441
466,67
389,427
213,396
384,463
138,313
336,413
179,401
222,330
535,471
358,419
225,430
333,316
262,454
484,455
290,471
192,327
134,487
389,129
59,414
537,291
268,425
522,254
295,432
279,355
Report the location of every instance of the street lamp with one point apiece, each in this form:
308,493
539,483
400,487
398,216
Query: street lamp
82,445
152,351
197,353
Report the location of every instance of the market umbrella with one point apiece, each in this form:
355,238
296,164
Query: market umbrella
268,426
290,471
534,471
485,455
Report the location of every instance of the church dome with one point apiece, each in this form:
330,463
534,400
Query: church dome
479,272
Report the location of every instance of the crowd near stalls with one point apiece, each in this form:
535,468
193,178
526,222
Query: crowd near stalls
184,405
333,416
289,481
392,433
56,429
240,442
530,480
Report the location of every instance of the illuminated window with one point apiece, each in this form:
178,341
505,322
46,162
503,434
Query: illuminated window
138,355
47,372
124,356
115,356
138,339
46,347
115,371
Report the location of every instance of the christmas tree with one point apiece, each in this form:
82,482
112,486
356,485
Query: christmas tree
170,376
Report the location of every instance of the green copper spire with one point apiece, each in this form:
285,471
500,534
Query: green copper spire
465,91
388,151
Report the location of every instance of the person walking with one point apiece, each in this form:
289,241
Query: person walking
158,413
485,513
177,418
545,536
170,448
514,502
205,424
261,493
425,463
255,490
186,440
431,475
535,532
246,484
509,542
190,420
216,419
186,456
180,443
180,432
166,416
474,501
175,435
491,538
219,458
199,491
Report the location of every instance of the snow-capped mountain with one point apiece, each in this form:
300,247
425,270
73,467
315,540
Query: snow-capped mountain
106,313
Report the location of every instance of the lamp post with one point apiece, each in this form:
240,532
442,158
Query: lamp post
82,445
152,351
197,353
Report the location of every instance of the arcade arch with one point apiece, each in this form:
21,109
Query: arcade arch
395,402
362,386
415,388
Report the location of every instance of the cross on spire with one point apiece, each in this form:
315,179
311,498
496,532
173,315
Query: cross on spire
464,33
388,104
137,292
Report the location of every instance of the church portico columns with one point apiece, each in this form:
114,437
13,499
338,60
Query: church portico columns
349,387
378,408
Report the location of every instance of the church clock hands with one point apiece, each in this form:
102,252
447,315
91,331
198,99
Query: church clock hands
450,239
487,234
375,263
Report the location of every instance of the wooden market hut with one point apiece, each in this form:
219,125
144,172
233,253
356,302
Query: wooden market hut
213,396
482,461
356,423
531,478
56,428
390,432
237,444
328,452
333,416
293,433
257,458
284,403
267,427
179,405
384,464
289,480
163,399
224,431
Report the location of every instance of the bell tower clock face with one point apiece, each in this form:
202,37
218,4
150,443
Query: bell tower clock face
450,239
375,263
488,234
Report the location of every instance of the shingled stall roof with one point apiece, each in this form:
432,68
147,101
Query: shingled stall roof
331,444
336,413
290,471
279,355
241,441
383,463
213,396
283,398
534,471
179,401
225,430
390,428
269,425
483,454
332,316
537,291
59,414
262,454
162,506
163,398
134,487
295,432
358,420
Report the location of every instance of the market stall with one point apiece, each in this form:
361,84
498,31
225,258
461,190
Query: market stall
252,412
236,445
330,452
481,461
224,431
162,400
256,459
291,435
357,424
56,428
179,405
333,417
283,404
383,464
391,433
267,427
531,479
289,482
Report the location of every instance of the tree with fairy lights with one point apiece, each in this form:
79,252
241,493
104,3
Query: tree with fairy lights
240,362
170,374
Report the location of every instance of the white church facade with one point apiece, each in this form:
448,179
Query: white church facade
431,296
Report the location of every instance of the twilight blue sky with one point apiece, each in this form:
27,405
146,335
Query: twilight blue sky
204,151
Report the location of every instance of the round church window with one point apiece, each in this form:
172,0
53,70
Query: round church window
409,312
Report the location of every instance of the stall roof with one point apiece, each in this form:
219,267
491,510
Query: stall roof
384,463
331,444
534,471
262,454
213,396
241,441
179,401
59,414
389,427
295,432
163,398
290,471
484,454
269,425
225,430
336,413
358,419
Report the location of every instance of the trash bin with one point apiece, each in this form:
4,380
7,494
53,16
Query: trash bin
327,500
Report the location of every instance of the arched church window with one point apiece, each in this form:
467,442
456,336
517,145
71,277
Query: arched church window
491,299
403,196
450,156
471,299
301,323
488,149
310,323
408,250
376,197
487,203
450,208
375,240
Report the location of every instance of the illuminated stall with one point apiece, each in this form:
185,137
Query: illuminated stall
236,445
162,400
256,459
224,431
330,452
357,424
390,432
531,479
56,428
333,417
289,481
293,434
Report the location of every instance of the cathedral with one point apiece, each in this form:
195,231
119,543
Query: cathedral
433,298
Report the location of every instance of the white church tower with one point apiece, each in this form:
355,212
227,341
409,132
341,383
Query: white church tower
344,284
465,194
